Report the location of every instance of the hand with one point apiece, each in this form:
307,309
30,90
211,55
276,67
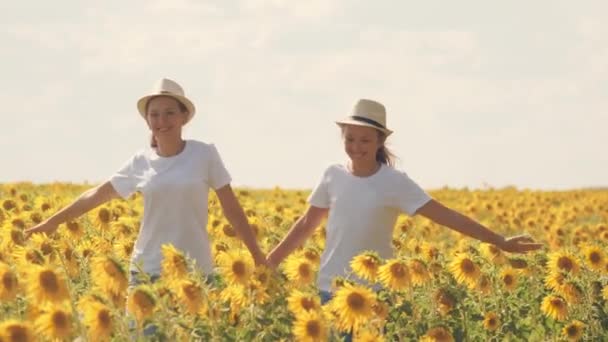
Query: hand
42,227
260,259
271,262
519,244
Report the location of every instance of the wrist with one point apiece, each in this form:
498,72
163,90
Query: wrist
499,241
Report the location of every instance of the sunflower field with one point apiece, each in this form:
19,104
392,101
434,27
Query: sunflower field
73,285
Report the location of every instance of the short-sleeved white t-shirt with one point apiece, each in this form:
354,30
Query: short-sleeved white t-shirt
175,191
362,215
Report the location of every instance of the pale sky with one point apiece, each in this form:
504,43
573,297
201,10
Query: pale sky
478,93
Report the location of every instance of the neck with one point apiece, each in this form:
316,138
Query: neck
170,148
364,169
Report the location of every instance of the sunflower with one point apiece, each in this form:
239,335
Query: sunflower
574,330
99,321
444,300
300,271
174,265
312,255
54,322
437,334
563,262
492,253
141,302
381,310
594,257
190,294
605,292
109,274
365,265
555,280
87,248
9,285
15,331
69,259
45,283
338,282
418,271
554,307
395,274
491,321
465,270
42,243
508,277
484,284
123,247
74,230
571,292
236,296
368,336
236,267
310,326
101,217
28,255
353,306
299,302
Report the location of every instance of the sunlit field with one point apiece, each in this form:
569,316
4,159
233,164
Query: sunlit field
440,286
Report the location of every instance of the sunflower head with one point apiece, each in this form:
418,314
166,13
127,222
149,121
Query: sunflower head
300,271
299,302
366,265
395,274
437,334
574,331
554,307
353,306
491,321
310,326
141,302
12,330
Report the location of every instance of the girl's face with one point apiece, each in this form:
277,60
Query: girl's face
165,117
361,143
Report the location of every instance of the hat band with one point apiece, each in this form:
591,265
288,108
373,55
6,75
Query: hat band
369,121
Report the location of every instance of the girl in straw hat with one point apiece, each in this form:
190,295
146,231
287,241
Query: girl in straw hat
363,198
174,175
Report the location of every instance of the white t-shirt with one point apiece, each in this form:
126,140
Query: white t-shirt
362,214
175,191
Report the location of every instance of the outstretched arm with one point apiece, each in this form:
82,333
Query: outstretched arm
296,236
445,216
235,215
87,201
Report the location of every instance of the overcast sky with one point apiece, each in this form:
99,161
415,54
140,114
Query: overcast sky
478,92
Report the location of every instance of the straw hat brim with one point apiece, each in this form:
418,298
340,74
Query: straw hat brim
349,121
141,104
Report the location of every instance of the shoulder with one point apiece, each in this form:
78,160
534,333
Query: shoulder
202,147
393,173
334,169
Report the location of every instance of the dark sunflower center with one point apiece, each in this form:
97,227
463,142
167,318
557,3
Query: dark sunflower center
355,301
313,328
238,268
304,270
49,281
565,263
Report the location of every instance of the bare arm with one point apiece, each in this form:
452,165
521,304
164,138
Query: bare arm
235,215
440,214
87,201
298,233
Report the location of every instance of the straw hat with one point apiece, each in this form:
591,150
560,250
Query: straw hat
166,87
368,113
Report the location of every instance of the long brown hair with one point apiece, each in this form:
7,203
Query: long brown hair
182,108
384,155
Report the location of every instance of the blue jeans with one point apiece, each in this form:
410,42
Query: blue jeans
326,296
